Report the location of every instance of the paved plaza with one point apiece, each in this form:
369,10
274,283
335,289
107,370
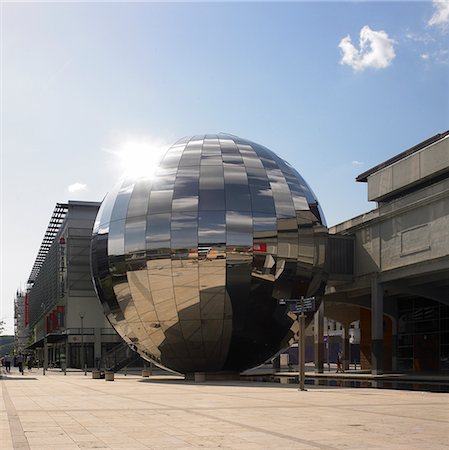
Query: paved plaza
75,411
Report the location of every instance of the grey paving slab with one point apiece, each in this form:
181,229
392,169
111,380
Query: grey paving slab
74,411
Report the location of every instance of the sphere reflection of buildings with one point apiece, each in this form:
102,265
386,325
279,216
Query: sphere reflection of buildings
189,264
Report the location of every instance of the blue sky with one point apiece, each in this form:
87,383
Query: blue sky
81,81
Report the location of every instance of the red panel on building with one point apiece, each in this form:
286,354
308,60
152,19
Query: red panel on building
262,248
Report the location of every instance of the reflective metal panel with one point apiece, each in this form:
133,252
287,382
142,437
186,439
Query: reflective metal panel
190,263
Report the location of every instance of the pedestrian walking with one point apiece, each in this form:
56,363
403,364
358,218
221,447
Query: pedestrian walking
19,362
339,361
30,361
7,362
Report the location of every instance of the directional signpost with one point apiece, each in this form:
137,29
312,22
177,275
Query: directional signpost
300,306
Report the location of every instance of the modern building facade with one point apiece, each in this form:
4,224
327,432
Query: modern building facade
400,286
66,321
188,243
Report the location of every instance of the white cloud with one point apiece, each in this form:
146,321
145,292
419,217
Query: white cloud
442,56
356,163
376,50
438,56
441,14
425,38
77,187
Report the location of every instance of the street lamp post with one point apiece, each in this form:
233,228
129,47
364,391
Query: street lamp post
302,349
300,307
83,365
45,350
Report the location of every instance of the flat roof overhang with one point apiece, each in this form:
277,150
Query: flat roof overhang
51,339
363,177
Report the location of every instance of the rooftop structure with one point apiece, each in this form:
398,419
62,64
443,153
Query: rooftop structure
53,228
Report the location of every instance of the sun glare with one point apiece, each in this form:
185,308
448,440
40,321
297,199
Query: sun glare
139,158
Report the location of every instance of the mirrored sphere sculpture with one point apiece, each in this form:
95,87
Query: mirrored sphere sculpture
190,262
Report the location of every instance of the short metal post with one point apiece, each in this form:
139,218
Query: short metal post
82,359
85,369
45,365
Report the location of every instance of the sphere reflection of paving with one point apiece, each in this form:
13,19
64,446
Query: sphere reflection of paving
189,263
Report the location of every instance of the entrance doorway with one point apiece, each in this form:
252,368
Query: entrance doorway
426,352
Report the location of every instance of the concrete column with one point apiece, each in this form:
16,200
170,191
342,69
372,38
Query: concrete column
394,352
394,345
45,362
377,329
97,345
67,353
318,338
345,361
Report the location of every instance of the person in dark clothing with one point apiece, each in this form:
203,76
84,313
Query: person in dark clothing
30,360
7,362
19,362
339,362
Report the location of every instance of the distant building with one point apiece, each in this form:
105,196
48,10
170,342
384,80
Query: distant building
399,289
64,313
21,331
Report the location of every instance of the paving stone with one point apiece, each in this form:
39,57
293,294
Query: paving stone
73,412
